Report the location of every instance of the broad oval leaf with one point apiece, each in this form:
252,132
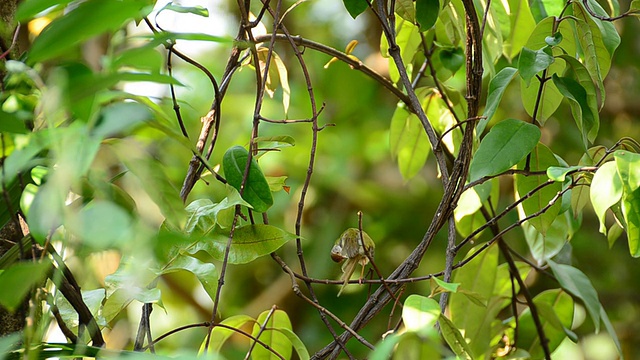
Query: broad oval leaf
532,62
256,188
606,190
249,243
505,145
265,330
355,7
420,313
427,13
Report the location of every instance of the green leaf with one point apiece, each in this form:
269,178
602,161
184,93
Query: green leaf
559,173
19,280
11,123
167,37
541,159
256,189
607,188
249,243
551,97
454,338
611,330
427,13
277,183
576,283
532,62
406,10
28,9
628,165
631,211
452,59
219,335
556,309
521,21
450,287
144,57
415,347
83,22
8,343
497,87
196,10
92,298
478,276
355,7
581,74
505,145
298,345
22,160
263,329
545,246
408,142
385,347
580,109
420,313
120,117
274,142
101,225
203,213
205,272
11,202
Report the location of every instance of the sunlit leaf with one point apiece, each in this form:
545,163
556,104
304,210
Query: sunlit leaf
420,313
558,173
607,191
521,21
